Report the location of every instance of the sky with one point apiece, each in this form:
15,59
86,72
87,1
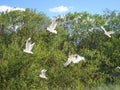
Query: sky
60,7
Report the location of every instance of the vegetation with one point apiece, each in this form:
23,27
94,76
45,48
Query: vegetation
20,71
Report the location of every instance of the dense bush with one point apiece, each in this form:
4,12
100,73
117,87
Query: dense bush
20,71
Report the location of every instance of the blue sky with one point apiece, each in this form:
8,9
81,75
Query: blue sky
55,7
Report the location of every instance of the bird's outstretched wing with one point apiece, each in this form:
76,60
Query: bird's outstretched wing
103,29
28,43
54,23
43,71
111,32
68,62
31,46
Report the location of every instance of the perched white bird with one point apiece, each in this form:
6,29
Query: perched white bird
53,25
107,33
73,58
42,75
29,46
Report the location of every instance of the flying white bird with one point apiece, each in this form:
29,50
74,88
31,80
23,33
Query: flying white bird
73,58
29,46
42,75
53,25
107,33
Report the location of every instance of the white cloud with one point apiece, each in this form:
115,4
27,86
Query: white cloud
59,9
7,8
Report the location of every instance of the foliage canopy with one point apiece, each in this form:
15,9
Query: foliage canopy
77,33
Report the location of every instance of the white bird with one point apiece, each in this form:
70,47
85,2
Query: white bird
118,67
107,33
73,58
53,25
42,75
29,46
